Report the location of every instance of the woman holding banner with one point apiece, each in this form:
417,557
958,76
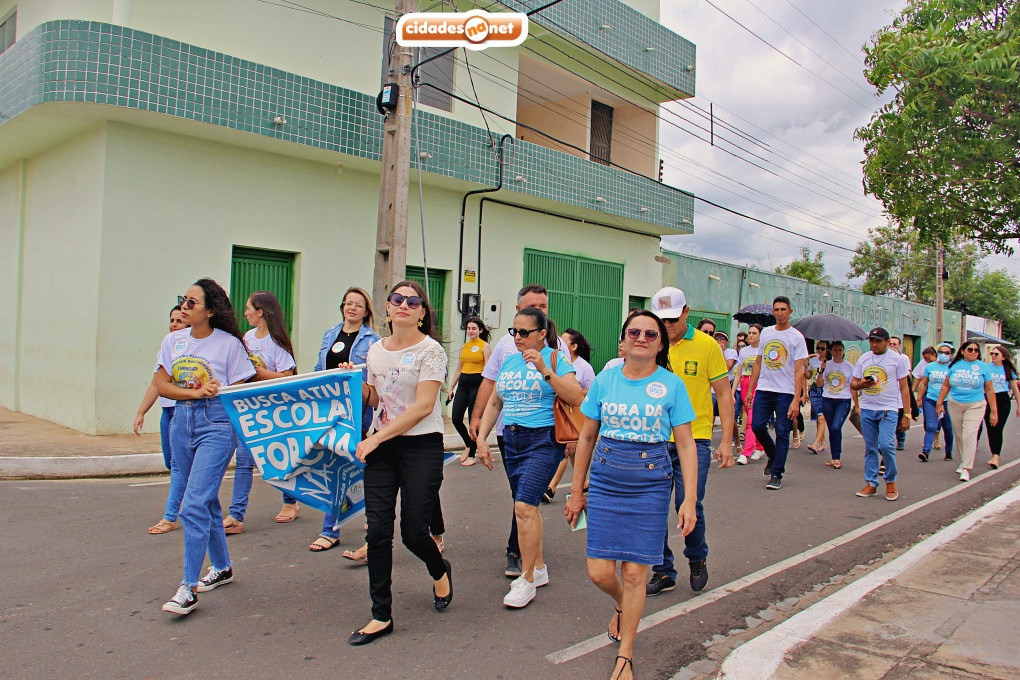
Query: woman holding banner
273,356
405,454
193,364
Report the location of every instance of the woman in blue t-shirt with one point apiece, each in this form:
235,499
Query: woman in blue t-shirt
528,383
633,410
930,385
1004,382
967,384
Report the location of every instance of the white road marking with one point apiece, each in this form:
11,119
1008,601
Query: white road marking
167,481
600,641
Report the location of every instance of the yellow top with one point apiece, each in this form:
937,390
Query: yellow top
699,361
472,358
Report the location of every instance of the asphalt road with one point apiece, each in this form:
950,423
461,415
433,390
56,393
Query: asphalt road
83,582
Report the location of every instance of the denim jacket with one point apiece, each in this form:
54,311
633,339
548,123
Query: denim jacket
359,353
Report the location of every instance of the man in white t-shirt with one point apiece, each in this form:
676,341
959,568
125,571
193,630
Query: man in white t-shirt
531,295
881,375
895,343
777,383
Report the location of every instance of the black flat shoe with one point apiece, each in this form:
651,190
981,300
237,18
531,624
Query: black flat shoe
359,638
444,602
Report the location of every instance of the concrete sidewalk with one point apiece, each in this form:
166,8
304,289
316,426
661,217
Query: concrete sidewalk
33,448
948,607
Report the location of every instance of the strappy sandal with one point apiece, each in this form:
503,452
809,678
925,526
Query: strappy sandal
288,513
617,637
163,526
323,543
627,661
231,526
837,464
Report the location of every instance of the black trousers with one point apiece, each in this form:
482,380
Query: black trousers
464,402
995,431
412,466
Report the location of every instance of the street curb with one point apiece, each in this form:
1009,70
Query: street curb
124,465
760,658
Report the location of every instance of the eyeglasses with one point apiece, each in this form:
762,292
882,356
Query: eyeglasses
635,334
523,332
186,302
945,351
396,299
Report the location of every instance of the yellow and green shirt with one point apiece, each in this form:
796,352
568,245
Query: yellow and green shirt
699,362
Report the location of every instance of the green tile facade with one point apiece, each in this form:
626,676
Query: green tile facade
82,61
627,39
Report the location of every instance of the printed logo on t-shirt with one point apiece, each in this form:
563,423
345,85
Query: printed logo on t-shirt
407,359
655,390
337,347
180,345
475,348
999,383
749,365
774,355
190,372
965,379
257,360
690,367
836,382
881,379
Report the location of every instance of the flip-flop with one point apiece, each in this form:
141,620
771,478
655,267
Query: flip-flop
837,464
993,465
163,526
282,518
617,637
327,543
812,449
348,555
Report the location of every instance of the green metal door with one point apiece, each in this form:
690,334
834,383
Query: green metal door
436,291
636,302
584,294
252,269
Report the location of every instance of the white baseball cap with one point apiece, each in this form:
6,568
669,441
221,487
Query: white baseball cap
669,303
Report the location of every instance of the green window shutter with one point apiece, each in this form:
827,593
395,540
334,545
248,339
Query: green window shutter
723,322
436,290
636,301
252,269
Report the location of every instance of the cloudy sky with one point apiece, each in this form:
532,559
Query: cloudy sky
798,119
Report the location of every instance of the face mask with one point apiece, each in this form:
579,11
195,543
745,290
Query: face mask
944,358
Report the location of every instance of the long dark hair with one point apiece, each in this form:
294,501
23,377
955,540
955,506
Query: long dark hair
218,302
1007,363
483,331
959,352
662,356
428,326
175,308
273,314
583,348
541,321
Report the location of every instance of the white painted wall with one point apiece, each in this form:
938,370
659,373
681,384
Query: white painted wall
10,212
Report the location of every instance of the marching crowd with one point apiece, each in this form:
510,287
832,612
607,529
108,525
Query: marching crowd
638,433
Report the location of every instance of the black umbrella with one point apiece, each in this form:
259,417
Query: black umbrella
756,313
829,327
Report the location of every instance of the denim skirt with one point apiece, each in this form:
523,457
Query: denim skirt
531,456
628,501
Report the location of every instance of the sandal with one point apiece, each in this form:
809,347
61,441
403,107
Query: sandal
164,526
323,543
837,464
617,637
439,543
231,526
288,513
355,557
627,661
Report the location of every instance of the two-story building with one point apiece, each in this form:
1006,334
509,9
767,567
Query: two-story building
145,144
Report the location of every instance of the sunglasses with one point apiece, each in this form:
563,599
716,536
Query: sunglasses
970,349
523,332
186,302
945,351
635,334
396,299
676,320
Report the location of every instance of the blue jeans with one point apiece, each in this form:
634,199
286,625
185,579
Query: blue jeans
203,441
879,430
768,405
835,412
244,465
695,548
738,403
178,482
932,423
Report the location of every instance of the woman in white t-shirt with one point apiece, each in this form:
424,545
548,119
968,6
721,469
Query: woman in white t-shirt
193,364
405,454
833,379
745,362
273,356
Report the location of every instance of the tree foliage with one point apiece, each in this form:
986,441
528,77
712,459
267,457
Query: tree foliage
810,269
944,154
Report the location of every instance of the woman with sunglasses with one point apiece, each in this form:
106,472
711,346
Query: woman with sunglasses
193,364
173,499
346,343
632,410
526,387
930,385
474,354
968,384
1004,384
273,356
405,454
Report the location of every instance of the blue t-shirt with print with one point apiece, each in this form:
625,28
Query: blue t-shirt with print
936,375
967,381
998,373
644,410
527,396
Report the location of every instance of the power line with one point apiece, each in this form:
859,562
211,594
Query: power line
856,57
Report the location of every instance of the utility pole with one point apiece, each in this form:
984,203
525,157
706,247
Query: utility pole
940,289
391,228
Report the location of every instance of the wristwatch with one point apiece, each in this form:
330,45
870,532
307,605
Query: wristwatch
547,376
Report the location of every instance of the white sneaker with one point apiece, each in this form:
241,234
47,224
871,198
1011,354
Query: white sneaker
741,459
521,593
758,454
541,576
965,475
959,470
